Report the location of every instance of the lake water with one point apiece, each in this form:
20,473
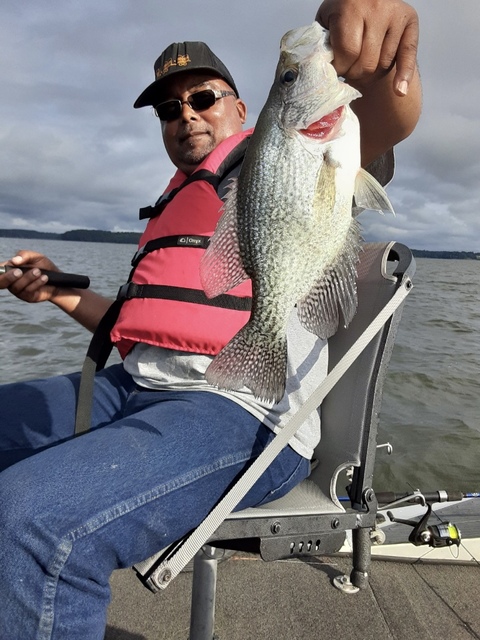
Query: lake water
430,411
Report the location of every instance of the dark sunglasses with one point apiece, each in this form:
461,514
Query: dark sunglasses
198,101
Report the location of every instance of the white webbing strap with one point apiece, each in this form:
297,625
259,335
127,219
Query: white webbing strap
174,564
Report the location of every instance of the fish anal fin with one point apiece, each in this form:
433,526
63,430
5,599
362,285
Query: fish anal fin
250,361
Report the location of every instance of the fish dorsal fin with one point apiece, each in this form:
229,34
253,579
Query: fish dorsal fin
221,268
369,194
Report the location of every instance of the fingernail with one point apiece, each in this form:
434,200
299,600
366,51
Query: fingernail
402,87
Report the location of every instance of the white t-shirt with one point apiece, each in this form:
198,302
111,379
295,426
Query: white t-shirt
166,369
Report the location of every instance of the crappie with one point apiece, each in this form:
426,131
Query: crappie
287,222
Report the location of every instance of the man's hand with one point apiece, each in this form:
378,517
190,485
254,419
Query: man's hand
84,306
30,286
369,37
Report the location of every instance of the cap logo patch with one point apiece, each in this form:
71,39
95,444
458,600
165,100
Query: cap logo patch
181,61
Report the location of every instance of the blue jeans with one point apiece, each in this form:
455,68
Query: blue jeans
74,509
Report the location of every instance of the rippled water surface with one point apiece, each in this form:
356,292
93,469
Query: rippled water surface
430,410
431,398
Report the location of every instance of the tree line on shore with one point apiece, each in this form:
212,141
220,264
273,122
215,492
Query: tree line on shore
76,235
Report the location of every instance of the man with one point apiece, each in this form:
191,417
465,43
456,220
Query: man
164,447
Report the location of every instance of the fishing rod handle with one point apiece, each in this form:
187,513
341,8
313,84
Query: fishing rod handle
56,278
387,497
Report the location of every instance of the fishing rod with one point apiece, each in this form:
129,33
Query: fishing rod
55,278
391,499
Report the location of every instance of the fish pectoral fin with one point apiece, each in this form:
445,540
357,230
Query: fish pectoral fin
221,267
369,194
336,290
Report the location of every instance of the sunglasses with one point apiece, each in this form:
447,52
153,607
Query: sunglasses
198,101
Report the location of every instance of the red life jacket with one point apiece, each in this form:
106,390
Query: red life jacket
164,303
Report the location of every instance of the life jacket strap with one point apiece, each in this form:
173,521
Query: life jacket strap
183,294
205,175
97,355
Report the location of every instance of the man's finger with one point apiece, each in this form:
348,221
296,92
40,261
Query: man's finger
346,37
406,59
347,42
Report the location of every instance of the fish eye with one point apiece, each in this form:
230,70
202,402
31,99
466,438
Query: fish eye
289,76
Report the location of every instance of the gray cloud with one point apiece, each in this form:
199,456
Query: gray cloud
75,154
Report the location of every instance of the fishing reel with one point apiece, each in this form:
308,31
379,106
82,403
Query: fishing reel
443,534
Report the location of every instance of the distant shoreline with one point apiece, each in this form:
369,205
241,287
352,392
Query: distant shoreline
76,235
132,237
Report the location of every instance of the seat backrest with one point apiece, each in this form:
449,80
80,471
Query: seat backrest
349,423
349,413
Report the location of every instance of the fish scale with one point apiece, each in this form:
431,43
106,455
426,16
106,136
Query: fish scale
287,222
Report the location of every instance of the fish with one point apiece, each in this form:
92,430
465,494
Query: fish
287,221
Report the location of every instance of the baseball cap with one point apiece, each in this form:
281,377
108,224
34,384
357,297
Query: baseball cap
180,57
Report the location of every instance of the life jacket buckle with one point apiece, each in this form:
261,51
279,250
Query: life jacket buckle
128,291
138,256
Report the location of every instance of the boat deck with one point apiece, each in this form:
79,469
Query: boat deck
295,600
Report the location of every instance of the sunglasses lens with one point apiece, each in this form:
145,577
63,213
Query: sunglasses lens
170,110
202,100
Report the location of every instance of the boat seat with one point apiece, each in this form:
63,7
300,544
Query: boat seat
314,518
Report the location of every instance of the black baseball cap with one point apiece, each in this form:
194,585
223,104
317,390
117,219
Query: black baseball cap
178,57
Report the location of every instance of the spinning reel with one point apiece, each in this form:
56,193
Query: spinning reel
443,534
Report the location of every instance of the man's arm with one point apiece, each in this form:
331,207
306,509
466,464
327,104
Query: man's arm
375,50
84,306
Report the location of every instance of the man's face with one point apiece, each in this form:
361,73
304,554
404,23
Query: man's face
194,134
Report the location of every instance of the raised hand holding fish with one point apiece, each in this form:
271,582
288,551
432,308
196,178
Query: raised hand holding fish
392,27
375,43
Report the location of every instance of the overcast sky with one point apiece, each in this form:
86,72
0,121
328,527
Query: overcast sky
75,154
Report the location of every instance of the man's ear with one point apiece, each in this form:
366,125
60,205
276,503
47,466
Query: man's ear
242,110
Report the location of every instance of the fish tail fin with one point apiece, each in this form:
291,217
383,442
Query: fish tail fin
259,364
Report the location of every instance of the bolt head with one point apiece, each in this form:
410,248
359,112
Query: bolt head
275,528
166,576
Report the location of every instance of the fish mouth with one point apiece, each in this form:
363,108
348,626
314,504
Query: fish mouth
326,127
